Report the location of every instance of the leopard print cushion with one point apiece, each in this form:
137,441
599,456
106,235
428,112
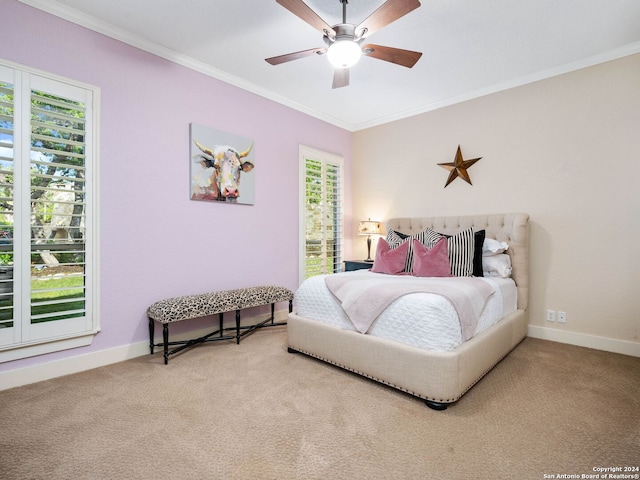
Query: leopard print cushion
203,304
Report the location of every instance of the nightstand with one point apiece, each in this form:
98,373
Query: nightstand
350,265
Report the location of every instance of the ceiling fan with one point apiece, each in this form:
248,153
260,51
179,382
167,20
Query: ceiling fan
343,40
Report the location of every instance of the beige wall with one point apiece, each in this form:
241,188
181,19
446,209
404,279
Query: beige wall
566,150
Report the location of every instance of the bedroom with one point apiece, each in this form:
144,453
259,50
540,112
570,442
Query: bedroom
563,150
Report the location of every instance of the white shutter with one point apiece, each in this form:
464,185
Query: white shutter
57,212
321,218
333,217
314,240
7,330
47,210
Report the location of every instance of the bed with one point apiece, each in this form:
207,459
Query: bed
440,374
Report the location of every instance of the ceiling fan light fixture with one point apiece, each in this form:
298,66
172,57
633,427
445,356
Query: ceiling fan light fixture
344,53
343,39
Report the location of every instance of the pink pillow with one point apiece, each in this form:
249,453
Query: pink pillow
432,262
390,260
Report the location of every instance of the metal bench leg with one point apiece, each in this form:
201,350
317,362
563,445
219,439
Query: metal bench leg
151,333
237,327
165,338
221,322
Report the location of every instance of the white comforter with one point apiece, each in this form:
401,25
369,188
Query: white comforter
423,320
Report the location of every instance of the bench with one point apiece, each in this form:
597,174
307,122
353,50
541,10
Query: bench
176,309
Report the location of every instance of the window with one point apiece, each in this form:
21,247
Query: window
321,218
48,213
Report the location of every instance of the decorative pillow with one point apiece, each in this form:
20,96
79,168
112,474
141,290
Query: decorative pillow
397,234
390,260
426,237
432,262
493,247
478,238
461,249
497,265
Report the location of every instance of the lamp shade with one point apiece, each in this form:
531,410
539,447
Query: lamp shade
369,227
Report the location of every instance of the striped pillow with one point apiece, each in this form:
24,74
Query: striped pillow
461,252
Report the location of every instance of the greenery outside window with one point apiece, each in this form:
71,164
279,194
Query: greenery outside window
321,215
48,213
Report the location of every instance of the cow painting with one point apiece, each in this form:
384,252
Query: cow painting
219,176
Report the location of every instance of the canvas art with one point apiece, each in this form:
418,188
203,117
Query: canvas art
221,166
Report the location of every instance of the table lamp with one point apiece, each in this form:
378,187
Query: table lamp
368,228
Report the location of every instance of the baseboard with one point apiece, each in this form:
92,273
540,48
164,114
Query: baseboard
80,363
583,340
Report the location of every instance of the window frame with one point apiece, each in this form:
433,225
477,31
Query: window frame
325,158
28,342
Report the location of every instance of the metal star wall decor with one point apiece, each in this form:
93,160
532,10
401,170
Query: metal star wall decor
458,168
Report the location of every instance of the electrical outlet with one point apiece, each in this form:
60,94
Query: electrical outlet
551,315
562,317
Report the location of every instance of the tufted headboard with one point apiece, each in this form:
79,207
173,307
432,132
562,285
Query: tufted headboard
512,228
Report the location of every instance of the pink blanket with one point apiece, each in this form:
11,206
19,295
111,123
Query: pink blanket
365,295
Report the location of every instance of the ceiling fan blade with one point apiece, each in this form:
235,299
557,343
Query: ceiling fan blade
295,56
388,12
300,9
406,58
340,78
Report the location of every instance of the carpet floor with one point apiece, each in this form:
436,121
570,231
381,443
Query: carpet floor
254,411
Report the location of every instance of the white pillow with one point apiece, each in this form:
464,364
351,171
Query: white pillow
497,266
493,247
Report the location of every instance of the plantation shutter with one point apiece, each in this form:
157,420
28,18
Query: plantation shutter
6,207
47,276
323,216
58,205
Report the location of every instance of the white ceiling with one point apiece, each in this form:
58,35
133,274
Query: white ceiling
470,47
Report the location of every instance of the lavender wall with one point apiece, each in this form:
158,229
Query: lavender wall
155,242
